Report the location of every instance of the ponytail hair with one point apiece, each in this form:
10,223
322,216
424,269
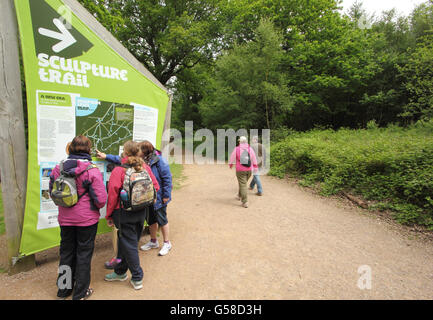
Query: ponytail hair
136,162
131,150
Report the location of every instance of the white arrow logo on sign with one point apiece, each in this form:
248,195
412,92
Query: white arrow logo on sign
65,37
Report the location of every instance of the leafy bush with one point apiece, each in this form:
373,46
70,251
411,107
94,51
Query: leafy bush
392,166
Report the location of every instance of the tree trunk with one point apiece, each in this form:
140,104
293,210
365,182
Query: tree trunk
13,153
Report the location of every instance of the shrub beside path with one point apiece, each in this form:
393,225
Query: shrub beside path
289,244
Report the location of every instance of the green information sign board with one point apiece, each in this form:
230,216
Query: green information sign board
76,84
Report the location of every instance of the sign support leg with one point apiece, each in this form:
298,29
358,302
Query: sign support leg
13,153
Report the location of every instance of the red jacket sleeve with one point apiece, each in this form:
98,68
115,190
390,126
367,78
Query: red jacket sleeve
154,181
115,184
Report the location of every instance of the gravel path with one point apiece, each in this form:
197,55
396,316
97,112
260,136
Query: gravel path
289,244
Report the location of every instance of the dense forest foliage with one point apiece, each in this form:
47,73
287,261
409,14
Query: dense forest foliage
298,64
348,95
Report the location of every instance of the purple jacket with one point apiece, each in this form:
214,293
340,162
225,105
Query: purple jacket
86,211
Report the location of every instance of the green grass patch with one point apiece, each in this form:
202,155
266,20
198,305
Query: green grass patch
177,174
391,166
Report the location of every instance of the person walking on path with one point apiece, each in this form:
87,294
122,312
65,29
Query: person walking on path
158,214
261,160
79,223
129,224
245,159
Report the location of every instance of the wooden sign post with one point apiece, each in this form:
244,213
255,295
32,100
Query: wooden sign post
13,153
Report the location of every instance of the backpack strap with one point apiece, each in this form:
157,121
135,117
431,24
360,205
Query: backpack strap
61,169
125,166
89,167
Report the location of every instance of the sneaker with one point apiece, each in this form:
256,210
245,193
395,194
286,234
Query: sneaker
165,249
115,277
112,263
245,205
150,245
137,284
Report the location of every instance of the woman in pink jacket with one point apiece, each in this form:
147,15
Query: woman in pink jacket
78,224
241,155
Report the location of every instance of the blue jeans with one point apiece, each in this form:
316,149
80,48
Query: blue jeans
256,180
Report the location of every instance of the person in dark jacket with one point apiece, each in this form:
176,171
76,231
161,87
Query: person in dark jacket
79,224
158,216
129,224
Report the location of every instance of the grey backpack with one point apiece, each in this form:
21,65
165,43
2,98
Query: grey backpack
64,192
139,187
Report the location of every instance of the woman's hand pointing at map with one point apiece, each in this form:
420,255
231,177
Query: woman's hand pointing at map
100,154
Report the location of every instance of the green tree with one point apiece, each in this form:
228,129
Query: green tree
248,89
422,20
166,36
329,68
189,90
418,75
326,71
385,96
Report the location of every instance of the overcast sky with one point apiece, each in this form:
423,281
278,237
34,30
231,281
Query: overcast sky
377,6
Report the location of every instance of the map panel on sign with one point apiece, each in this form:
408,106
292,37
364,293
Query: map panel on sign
107,124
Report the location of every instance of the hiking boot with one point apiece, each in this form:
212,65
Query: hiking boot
165,249
250,188
115,277
259,194
137,284
245,204
150,245
112,263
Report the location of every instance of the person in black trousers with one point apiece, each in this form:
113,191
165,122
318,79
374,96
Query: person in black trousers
79,223
129,224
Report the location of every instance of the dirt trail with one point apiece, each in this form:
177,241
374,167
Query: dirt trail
289,244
